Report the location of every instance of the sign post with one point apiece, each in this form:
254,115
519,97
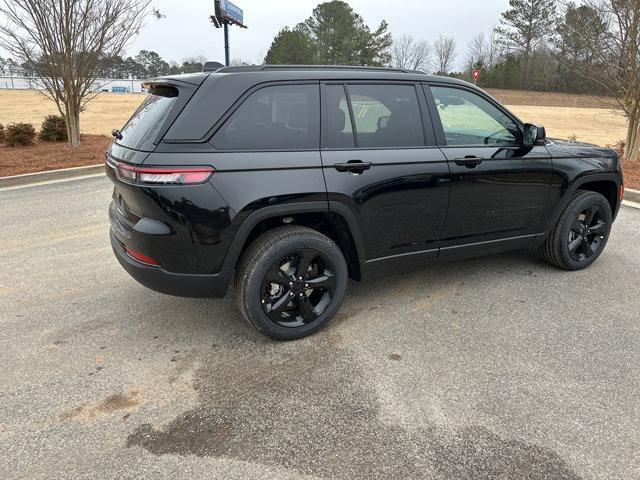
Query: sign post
475,74
227,13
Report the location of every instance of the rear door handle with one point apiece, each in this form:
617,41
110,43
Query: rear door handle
352,166
470,161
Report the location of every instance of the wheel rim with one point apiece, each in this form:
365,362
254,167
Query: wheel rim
587,233
298,288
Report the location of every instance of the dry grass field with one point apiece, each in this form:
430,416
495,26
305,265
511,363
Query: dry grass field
106,111
588,118
592,125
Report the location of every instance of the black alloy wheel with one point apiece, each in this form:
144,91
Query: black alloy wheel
297,289
587,233
581,233
291,282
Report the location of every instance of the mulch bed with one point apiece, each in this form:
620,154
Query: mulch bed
53,155
44,156
631,172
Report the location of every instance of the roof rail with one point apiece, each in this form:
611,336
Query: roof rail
260,68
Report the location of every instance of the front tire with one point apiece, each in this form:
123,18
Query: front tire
291,281
581,233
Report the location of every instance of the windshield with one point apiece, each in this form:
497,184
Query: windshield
142,128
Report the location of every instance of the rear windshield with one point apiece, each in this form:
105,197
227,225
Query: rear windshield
142,128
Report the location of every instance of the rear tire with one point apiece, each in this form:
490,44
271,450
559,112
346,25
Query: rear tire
581,233
291,281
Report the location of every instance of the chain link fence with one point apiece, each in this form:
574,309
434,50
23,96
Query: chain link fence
119,85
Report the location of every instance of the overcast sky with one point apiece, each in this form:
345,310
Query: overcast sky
187,31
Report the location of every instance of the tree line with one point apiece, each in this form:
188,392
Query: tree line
146,64
536,45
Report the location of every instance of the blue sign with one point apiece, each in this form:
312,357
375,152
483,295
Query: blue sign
231,11
120,89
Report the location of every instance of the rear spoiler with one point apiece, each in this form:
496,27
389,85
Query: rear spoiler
212,66
195,79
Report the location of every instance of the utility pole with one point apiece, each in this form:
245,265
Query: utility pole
227,60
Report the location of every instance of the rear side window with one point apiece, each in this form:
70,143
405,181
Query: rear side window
386,116
280,117
142,128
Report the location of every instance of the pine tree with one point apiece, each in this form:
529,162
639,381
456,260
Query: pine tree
291,47
524,27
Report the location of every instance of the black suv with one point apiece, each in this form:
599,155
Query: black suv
293,179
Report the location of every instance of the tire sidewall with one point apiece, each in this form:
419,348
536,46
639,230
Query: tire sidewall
280,250
591,199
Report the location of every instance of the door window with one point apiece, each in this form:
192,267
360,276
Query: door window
386,116
280,117
470,120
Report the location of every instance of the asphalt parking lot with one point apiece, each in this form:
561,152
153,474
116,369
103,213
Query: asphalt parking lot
498,367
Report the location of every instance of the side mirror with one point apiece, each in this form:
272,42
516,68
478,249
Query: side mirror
533,135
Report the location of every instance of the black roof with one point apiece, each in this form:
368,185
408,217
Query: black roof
262,73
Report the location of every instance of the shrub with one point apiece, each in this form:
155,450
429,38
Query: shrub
1,133
54,129
19,134
618,147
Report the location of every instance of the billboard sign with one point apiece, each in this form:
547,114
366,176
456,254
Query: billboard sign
230,11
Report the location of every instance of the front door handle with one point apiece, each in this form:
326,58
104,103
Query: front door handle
470,161
353,166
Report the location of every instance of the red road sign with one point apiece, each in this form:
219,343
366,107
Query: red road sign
475,74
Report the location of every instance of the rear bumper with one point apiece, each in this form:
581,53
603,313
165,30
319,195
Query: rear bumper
178,284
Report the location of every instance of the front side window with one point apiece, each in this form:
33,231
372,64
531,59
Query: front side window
386,116
282,117
470,120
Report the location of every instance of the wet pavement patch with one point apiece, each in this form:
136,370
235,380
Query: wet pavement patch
310,411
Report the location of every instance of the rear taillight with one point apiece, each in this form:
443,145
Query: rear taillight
163,175
621,191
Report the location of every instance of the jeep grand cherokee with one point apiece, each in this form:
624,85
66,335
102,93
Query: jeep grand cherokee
290,180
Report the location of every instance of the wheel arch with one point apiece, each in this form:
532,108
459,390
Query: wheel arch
607,184
336,223
607,188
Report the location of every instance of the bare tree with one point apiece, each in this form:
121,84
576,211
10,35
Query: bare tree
477,53
63,41
482,52
239,62
445,53
406,53
616,56
197,59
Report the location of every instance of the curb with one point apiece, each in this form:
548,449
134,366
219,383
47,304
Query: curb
632,195
61,174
